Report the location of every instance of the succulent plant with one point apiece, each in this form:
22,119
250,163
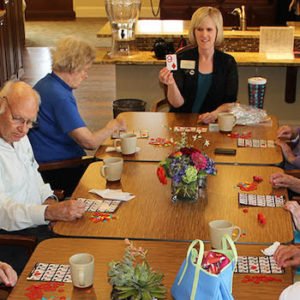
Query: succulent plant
132,278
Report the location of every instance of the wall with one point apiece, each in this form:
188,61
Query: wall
95,8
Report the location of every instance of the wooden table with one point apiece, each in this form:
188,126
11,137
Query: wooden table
152,215
165,257
158,123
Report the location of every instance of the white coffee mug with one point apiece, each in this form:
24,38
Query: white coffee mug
226,121
127,143
82,270
112,168
218,228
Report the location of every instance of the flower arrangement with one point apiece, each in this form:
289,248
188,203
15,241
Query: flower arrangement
187,166
133,278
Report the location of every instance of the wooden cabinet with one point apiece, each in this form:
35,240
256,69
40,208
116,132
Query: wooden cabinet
12,40
258,12
49,10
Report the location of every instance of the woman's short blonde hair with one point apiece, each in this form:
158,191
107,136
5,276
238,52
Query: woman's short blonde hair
199,15
72,54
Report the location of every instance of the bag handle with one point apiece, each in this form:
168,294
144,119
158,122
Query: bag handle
197,267
226,238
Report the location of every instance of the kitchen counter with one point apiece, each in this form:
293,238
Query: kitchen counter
147,31
148,58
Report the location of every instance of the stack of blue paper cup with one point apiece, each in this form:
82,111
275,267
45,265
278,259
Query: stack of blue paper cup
256,91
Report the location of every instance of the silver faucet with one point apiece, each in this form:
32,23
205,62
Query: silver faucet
242,16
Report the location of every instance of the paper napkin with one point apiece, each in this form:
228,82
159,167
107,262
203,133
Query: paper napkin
271,250
113,194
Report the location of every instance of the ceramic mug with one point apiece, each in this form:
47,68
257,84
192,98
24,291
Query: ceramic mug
218,228
82,270
127,143
112,168
226,121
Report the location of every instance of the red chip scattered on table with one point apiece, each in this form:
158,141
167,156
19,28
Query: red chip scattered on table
260,278
257,178
246,186
101,217
37,291
243,135
261,218
160,142
250,186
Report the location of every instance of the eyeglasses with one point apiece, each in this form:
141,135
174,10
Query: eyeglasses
19,120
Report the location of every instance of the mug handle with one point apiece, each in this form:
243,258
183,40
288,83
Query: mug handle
235,120
81,278
102,171
116,143
239,232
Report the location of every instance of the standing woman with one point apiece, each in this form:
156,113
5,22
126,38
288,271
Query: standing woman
207,79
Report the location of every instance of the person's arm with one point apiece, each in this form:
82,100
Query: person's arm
286,132
283,180
211,117
287,256
8,275
67,210
92,140
173,94
288,153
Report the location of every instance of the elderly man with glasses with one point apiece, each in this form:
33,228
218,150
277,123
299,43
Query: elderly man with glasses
27,205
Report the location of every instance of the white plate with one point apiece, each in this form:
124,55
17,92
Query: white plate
137,149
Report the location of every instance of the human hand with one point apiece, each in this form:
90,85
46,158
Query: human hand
285,132
294,208
207,118
68,210
166,76
287,256
8,275
116,124
283,180
280,143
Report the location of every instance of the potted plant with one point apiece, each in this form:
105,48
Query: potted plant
133,279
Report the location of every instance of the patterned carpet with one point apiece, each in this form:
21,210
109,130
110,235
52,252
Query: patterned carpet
46,33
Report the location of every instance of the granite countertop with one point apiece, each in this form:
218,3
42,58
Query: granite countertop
148,58
176,28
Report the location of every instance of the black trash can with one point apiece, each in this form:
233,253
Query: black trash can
123,105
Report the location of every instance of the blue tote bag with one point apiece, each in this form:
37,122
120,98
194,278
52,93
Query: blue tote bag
194,283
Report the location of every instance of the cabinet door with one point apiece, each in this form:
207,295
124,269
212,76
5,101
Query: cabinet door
3,66
8,38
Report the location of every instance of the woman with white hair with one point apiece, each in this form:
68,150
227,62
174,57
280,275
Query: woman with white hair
62,133
206,80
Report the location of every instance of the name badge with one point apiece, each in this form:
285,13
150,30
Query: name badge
187,64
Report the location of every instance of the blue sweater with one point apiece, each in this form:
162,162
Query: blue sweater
58,115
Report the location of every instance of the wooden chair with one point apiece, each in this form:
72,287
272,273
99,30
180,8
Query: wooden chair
67,163
160,105
27,242
64,174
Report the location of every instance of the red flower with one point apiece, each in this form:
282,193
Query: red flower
161,174
188,151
